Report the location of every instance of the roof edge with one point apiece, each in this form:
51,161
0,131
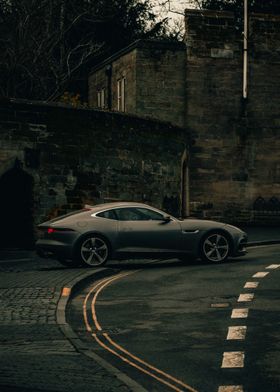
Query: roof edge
143,44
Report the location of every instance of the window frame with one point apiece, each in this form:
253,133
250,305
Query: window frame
101,98
97,214
121,89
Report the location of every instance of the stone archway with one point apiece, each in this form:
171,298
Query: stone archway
185,209
16,208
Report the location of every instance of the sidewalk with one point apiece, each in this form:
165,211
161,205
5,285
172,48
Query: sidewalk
262,234
35,355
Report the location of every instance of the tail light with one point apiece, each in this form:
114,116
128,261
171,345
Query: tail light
51,230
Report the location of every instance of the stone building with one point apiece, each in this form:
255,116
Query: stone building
234,163
172,129
55,159
145,78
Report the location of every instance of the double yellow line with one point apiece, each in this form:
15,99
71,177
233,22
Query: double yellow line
114,348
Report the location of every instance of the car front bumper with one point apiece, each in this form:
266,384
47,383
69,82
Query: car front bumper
240,246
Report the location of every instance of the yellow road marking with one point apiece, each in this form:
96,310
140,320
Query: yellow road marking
147,364
65,291
99,287
135,365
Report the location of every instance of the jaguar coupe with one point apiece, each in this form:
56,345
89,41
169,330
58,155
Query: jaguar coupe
95,234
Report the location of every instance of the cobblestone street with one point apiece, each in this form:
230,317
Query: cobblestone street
35,354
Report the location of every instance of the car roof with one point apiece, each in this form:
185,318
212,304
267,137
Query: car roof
99,207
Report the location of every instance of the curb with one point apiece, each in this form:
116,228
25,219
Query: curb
67,293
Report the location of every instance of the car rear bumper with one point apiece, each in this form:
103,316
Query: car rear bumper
53,249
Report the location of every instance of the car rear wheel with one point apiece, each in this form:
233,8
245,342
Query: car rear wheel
94,251
215,248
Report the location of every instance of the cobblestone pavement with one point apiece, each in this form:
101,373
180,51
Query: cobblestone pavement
34,354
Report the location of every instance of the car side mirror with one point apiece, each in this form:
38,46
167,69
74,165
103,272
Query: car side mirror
166,219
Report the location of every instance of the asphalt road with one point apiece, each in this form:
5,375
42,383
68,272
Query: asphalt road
171,326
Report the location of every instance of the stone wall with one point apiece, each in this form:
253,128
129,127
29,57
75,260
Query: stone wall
154,73
81,156
161,82
236,156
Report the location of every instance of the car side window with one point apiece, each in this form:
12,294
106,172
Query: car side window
148,214
137,214
109,214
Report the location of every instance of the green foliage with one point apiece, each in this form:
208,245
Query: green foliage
48,46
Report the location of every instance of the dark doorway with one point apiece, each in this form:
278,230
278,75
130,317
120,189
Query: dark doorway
16,209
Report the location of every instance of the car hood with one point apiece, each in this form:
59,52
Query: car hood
197,224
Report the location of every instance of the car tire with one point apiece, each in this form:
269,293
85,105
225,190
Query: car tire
93,251
215,247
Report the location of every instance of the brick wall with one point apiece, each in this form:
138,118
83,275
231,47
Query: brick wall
78,156
236,157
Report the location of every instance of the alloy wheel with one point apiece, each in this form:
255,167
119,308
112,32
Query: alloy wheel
94,251
215,248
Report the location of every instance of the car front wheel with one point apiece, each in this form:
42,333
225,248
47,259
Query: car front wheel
215,248
94,251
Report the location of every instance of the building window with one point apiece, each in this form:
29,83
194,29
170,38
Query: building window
121,94
101,98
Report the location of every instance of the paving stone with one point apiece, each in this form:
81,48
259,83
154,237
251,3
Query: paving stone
35,356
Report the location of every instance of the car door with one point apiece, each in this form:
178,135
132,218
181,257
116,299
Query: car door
142,229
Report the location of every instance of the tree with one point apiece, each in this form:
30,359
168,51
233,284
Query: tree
48,46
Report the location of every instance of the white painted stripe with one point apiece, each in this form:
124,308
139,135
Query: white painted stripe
233,359
260,274
245,297
239,313
231,388
273,266
236,333
251,285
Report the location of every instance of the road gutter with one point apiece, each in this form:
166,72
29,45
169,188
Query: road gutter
67,293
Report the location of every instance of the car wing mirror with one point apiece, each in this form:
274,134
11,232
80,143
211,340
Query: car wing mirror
166,219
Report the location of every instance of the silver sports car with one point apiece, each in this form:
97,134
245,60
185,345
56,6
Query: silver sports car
97,233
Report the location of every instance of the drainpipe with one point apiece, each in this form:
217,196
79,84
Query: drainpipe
245,52
108,72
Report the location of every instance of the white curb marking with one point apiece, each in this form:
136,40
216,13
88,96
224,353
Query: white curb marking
251,285
230,388
236,333
239,313
245,297
260,274
273,266
233,359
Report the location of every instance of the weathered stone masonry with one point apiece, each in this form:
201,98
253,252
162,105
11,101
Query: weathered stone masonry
79,156
236,158
154,73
